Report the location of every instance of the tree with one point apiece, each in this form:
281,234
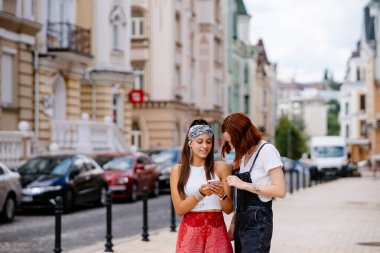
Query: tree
289,140
333,126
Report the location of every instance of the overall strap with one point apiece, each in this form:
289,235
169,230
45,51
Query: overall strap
258,152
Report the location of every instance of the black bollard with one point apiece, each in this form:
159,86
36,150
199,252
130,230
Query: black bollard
172,217
303,178
58,223
108,236
291,181
298,179
145,235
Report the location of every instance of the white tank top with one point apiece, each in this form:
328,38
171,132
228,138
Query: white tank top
197,177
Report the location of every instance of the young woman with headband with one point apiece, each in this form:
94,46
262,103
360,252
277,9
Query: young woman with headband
197,199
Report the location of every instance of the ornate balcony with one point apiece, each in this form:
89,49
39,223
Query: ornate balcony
66,37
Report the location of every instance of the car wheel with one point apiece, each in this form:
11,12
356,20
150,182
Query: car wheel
133,193
156,189
103,197
9,209
68,201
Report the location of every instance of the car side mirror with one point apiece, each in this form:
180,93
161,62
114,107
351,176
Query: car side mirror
140,166
74,173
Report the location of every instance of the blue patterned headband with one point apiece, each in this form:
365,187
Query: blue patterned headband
197,130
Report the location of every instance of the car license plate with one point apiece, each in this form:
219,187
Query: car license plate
27,198
117,187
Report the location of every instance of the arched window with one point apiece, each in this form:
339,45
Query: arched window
138,23
117,20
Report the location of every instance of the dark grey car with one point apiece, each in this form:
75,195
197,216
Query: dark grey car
76,178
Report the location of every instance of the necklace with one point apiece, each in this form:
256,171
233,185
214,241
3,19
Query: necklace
253,151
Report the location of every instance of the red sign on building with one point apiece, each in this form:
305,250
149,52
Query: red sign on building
136,97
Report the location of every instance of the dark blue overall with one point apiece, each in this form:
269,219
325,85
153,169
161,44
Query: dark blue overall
253,219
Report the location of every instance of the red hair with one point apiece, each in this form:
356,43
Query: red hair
244,135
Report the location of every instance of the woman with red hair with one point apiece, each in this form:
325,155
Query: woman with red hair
258,178
200,194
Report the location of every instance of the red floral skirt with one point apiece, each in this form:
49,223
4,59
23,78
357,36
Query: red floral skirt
203,232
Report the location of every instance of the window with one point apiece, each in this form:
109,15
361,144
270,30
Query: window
358,74
136,135
217,11
177,28
362,103
246,74
363,129
218,51
116,37
118,20
7,78
137,23
246,104
347,131
265,98
29,9
217,93
139,71
347,108
177,76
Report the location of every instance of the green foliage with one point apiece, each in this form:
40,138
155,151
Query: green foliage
334,85
289,140
333,126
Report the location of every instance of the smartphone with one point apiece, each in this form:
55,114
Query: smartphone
212,181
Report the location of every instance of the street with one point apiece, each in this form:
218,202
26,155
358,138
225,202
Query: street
33,232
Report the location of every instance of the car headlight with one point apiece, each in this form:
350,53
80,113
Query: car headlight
122,180
39,190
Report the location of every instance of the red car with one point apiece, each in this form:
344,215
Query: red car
128,173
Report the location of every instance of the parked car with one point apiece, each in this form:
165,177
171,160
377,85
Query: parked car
76,178
165,158
128,174
229,158
288,163
10,193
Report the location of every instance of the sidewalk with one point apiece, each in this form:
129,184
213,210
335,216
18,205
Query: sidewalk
332,217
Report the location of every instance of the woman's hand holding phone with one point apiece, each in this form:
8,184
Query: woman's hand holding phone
216,187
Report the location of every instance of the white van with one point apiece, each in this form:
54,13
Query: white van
328,155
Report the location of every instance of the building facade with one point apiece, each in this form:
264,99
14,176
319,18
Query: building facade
18,27
353,107
370,42
177,60
306,102
264,90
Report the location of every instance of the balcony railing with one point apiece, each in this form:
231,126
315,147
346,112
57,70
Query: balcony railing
18,146
66,37
88,137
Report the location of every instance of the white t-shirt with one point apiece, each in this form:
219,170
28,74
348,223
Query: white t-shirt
269,158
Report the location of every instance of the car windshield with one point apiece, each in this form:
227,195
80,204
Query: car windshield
333,151
48,166
230,156
166,157
119,163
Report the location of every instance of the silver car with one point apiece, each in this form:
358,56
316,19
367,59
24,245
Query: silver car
10,193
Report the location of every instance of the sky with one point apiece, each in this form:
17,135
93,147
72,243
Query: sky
304,37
